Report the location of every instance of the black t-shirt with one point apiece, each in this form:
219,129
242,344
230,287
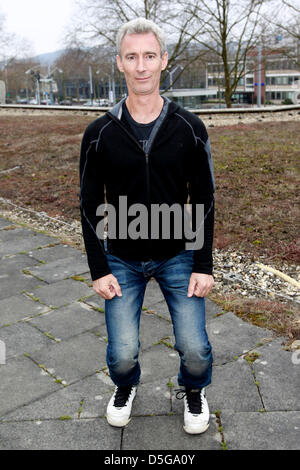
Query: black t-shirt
140,131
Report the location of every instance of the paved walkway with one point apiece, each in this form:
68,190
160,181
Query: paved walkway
54,384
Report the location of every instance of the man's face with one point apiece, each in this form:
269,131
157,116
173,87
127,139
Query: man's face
141,63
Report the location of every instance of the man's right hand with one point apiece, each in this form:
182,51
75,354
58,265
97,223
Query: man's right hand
107,287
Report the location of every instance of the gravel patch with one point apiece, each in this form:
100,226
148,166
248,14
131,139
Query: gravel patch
213,119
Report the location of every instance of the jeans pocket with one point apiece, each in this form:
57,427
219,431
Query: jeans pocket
117,268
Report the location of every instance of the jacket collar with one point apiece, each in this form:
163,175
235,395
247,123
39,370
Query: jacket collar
116,111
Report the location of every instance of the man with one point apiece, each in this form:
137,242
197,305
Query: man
149,151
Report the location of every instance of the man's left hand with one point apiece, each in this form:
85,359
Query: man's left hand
200,284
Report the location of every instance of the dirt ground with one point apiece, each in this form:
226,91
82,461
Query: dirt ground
256,165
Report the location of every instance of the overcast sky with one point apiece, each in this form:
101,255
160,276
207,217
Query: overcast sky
39,21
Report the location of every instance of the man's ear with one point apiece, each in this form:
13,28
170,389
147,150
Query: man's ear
164,61
119,64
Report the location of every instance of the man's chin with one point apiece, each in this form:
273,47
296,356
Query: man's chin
144,91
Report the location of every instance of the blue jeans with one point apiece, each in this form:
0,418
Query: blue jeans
187,313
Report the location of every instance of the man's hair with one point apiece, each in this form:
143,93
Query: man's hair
139,26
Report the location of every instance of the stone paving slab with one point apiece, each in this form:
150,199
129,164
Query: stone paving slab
154,329
16,234
12,284
95,301
159,308
153,294
83,434
262,431
53,253
73,358
62,293
24,243
21,382
69,321
278,378
158,362
223,333
19,307
22,338
166,433
60,269
86,398
16,263
233,388
153,399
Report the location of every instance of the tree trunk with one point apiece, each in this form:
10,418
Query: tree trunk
227,98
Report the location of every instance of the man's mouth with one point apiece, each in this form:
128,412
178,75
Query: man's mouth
142,79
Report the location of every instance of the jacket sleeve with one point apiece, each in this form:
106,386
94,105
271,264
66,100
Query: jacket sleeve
91,196
201,191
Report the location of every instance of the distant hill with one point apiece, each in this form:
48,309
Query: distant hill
49,57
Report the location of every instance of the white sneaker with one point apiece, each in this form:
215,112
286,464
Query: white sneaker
119,406
196,411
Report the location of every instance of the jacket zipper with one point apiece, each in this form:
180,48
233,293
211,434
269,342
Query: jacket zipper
146,157
148,193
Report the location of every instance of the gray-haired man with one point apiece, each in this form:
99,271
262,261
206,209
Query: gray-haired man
152,152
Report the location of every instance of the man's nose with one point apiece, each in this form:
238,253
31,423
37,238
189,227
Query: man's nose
140,64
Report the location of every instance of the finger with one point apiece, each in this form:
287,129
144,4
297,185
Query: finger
105,293
117,288
199,292
191,288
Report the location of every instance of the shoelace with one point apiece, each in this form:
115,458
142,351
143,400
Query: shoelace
193,397
122,395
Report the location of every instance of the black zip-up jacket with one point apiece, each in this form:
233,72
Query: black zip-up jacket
176,165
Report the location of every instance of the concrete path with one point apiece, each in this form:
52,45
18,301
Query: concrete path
54,385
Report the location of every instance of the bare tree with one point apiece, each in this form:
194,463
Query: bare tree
97,21
290,18
12,47
230,30
74,64
5,41
19,84
286,26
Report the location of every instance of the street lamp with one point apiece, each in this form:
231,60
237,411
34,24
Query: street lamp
171,74
36,76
